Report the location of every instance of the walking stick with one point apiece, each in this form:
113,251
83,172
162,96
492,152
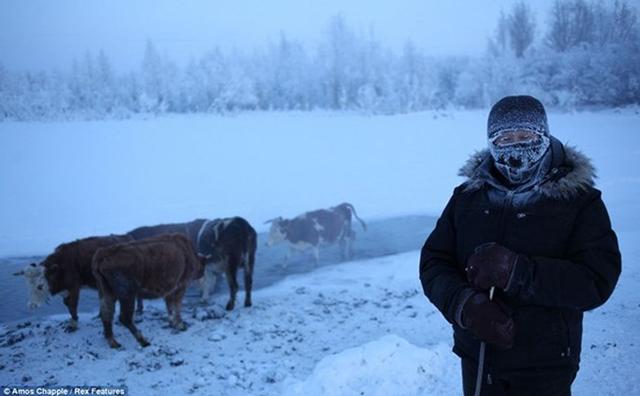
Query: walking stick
483,346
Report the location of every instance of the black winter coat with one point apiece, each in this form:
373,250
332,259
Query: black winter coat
569,258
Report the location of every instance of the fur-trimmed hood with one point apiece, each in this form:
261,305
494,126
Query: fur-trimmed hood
571,172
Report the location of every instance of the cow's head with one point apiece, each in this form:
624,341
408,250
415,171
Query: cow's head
212,251
203,259
276,232
37,283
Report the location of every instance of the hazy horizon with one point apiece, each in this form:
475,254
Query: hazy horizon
42,35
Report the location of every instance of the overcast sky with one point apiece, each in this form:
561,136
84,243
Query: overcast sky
45,34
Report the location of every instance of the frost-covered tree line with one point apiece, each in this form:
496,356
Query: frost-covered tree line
583,54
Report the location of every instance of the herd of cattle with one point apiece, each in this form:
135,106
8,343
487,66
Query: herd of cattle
161,261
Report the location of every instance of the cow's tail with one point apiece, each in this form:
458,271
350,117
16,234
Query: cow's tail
101,280
353,211
251,252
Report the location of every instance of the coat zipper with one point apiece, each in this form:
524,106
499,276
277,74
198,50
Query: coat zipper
507,203
505,206
567,351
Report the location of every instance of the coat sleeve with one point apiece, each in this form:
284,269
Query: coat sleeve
586,277
443,281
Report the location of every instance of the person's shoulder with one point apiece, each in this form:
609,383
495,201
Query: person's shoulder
590,194
460,189
573,178
473,171
466,188
462,194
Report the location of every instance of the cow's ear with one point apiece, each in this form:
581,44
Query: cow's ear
33,265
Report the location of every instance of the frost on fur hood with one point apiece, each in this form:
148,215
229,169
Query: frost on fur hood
571,172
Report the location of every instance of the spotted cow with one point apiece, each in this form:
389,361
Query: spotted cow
310,230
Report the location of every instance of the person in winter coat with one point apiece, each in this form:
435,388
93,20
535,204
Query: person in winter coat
522,249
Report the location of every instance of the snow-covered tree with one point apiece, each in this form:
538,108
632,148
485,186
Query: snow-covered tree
104,84
336,54
282,76
521,28
590,56
5,94
572,23
159,75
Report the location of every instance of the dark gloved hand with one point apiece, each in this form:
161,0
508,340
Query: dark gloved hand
488,320
491,265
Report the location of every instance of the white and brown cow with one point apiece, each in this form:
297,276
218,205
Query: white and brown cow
312,229
66,271
230,244
156,267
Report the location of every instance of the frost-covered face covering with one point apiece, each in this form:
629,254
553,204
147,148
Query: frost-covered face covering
518,137
517,154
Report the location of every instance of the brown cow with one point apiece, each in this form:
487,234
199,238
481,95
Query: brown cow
311,229
192,230
160,266
65,271
230,244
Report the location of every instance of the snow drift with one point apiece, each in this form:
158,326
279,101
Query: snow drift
387,366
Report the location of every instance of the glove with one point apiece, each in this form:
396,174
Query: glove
491,265
488,321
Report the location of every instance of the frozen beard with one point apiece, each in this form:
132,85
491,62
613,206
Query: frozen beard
518,161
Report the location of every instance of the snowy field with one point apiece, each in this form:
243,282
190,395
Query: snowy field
61,181
367,318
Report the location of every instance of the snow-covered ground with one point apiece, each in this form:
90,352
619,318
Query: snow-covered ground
356,328
266,349
367,318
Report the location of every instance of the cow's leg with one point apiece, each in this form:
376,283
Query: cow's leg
207,282
230,273
287,256
316,254
168,302
139,306
107,308
350,240
248,278
139,309
204,287
71,301
346,247
127,306
176,301
343,248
